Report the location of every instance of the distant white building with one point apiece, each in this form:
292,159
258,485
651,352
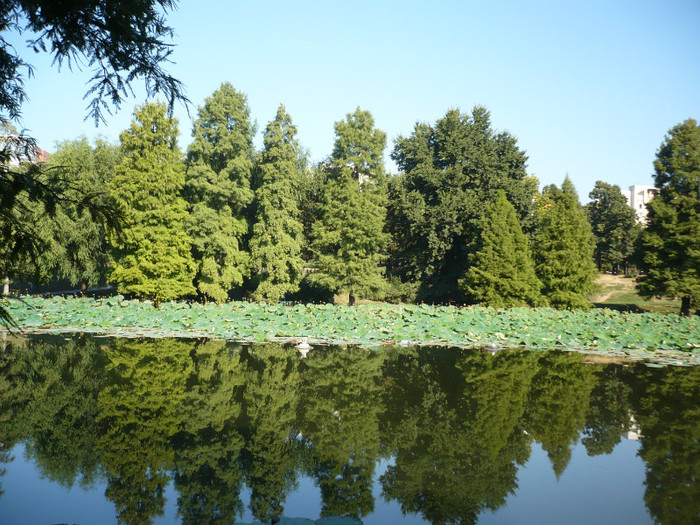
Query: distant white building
637,198
16,149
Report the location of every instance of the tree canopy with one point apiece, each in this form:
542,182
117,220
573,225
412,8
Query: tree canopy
348,238
121,40
563,249
449,171
277,240
501,272
614,225
671,239
219,170
152,256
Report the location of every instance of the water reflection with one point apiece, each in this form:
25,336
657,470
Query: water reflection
212,417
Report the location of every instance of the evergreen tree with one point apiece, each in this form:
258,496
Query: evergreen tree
671,240
81,238
220,162
349,239
614,225
449,171
277,241
153,257
501,272
563,249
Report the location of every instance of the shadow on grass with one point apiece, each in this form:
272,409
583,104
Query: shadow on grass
626,308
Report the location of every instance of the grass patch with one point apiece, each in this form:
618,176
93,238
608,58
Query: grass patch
619,293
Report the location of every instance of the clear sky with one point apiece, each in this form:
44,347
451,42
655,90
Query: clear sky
588,88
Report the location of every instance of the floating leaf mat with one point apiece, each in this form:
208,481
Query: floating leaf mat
659,338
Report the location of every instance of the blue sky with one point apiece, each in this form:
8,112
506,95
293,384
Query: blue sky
588,88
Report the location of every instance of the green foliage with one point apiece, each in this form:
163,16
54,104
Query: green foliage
277,241
614,225
671,239
501,272
348,238
124,41
449,171
668,339
219,167
152,256
563,249
79,236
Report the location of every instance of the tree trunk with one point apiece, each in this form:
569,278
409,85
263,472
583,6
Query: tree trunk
6,286
83,287
685,305
351,299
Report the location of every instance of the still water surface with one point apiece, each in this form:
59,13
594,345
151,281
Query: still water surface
182,431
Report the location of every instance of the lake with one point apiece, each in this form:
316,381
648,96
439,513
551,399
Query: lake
137,431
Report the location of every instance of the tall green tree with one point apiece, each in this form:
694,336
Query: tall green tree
219,168
614,225
348,239
82,238
449,170
671,239
277,241
501,272
563,249
153,258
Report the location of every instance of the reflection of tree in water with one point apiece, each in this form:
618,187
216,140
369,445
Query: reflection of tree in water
453,420
458,424
608,412
207,447
270,398
139,416
558,404
48,396
667,409
338,417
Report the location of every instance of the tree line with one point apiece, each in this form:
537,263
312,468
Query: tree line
462,222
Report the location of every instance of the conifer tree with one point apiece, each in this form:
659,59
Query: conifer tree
220,163
671,240
563,249
349,239
277,240
501,272
153,258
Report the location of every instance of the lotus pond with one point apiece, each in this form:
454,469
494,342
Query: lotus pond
661,338
138,430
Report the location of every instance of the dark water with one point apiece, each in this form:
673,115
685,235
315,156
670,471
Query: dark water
174,431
